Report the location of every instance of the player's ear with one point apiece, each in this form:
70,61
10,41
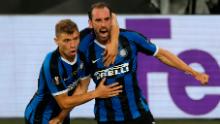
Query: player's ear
56,40
90,23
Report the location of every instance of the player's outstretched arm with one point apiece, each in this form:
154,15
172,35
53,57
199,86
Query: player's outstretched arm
111,50
174,61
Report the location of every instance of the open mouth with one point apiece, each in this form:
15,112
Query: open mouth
73,51
103,31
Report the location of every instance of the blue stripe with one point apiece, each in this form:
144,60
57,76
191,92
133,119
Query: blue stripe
46,69
48,113
130,94
32,114
102,112
28,112
119,116
42,83
141,42
146,107
116,104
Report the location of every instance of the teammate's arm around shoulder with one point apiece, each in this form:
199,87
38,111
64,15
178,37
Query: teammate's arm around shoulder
102,91
172,60
81,88
111,50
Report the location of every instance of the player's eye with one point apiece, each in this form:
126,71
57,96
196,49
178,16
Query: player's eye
66,40
75,38
98,20
108,18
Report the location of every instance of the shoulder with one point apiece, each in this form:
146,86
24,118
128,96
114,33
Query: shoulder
85,32
130,34
51,57
87,36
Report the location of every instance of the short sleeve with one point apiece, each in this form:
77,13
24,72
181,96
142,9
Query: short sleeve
53,81
143,44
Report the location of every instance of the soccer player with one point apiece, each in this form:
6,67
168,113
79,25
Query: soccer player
130,107
62,78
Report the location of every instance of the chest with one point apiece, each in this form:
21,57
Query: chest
70,74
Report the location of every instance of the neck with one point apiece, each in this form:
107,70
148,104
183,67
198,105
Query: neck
103,42
71,62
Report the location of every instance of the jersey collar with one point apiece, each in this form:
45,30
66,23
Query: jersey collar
99,44
68,62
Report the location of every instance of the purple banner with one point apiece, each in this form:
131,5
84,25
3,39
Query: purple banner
151,28
177,81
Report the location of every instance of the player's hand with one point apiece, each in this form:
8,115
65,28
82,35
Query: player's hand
105,91
55,120
202,78
110,53
111,49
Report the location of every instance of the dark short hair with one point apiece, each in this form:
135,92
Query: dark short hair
65,26
98,5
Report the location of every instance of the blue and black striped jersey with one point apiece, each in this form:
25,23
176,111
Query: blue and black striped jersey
130,104
57,76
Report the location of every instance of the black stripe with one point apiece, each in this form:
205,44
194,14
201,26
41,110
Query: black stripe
138,45
92,56
125,45
74,70
54,69
138,95
81,56
41,106
124,100
54,63
64,75
97,115
109,109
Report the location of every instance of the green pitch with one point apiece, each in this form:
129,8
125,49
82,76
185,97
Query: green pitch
91,121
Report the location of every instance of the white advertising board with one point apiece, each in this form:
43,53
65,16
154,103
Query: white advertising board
25,40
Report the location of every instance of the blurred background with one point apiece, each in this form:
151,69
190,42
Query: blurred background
188,28
119,6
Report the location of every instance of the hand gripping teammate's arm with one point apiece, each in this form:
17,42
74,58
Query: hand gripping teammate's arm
80,89
81,96
111,50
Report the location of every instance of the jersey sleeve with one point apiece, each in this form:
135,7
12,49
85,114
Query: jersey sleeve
86,37
144,44
51,77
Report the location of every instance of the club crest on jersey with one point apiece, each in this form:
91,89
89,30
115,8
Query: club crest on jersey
56,80
81,66
74,73
123,52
